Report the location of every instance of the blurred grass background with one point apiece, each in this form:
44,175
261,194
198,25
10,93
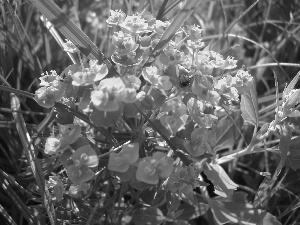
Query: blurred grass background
27,49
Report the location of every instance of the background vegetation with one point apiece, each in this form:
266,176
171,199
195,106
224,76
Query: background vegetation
265,39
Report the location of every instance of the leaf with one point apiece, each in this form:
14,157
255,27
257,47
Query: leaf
227,131
263,192
293,155
6,216
237,210
284,144
291,86
191,212
249,106
223,185
149,216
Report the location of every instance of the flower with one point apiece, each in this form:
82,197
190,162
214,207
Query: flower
225,86
120,162
201,142
150,169
116,16
135,24
83,158
52,91
183,180
108,94
243,81
151,75
56,186
89,75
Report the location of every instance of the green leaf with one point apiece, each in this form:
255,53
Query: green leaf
191,212
284,144
223,185
227,131
249,106
148,215
291,86
237,210
293,155
264,192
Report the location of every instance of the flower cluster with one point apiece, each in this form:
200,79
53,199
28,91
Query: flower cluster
185,88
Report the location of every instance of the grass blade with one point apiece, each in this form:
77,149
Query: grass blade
71,31
7,216
31,156
16,199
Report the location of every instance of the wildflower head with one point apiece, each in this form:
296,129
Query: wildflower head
194,32
79,174
120,162
52,90
85,156
198,145
108,94
225,87
135,24
88,75
243,81
116,17
150,169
